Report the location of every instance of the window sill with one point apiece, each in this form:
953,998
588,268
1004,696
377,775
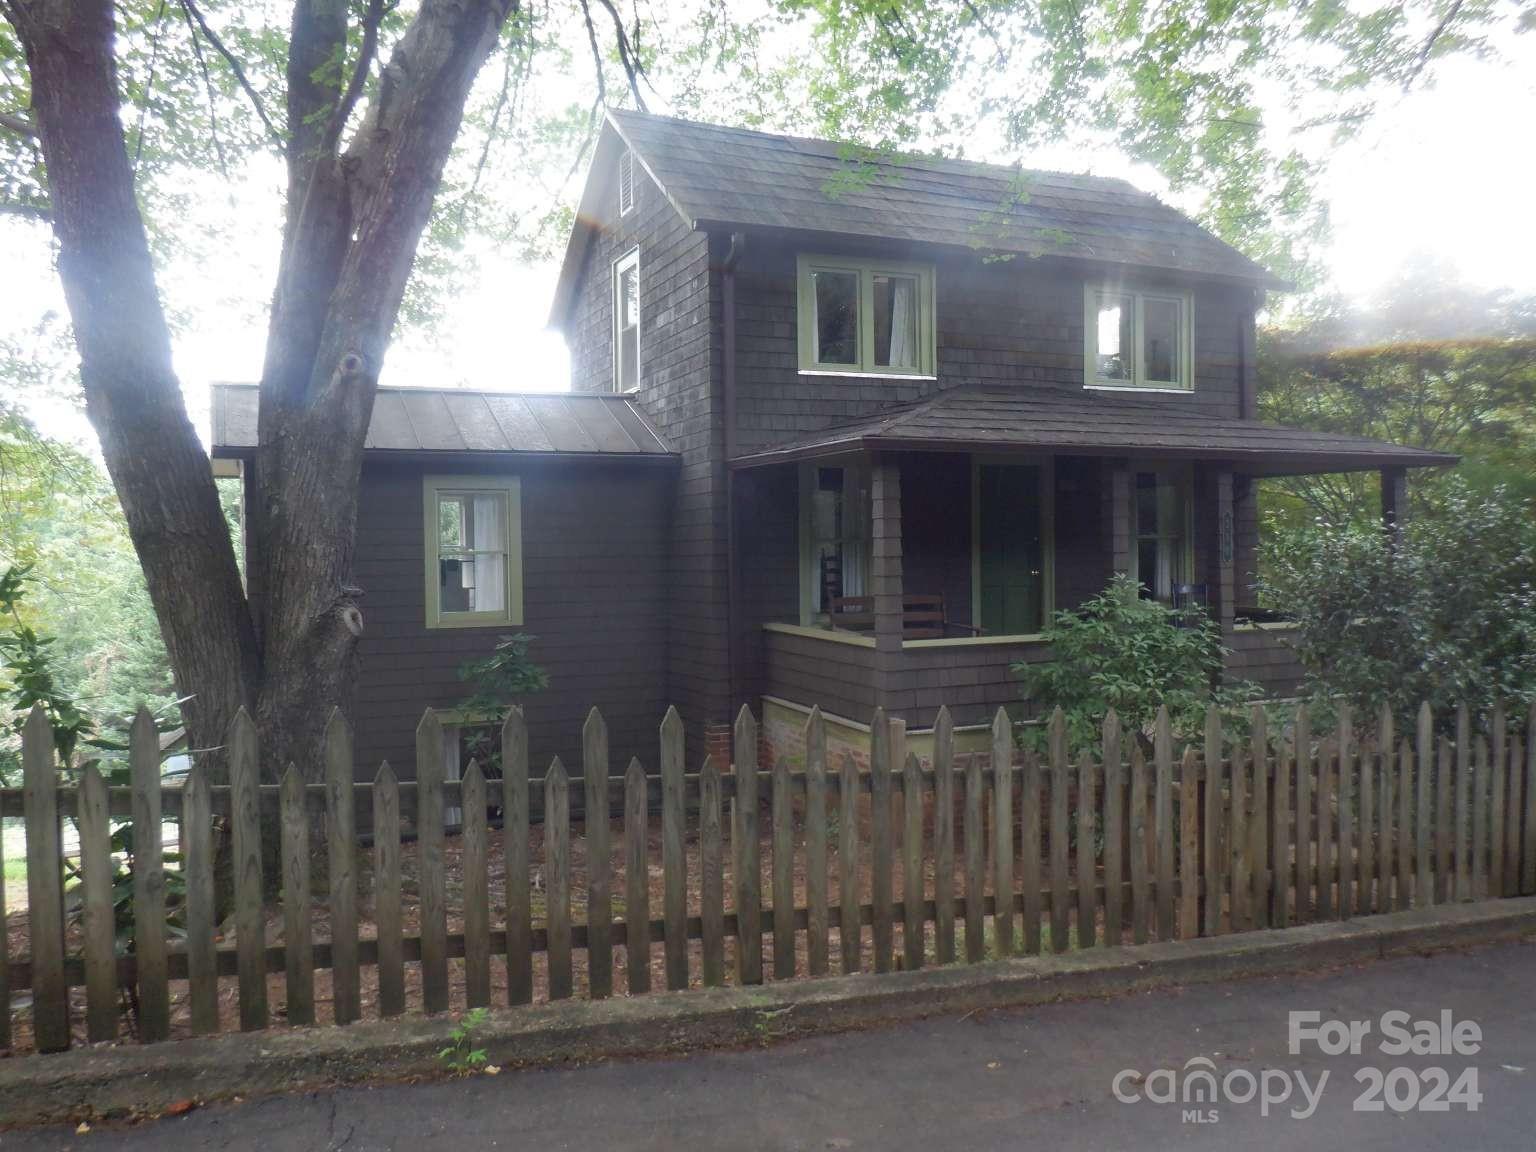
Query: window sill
483,620
866,375
1157,389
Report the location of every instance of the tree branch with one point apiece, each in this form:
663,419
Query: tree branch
370,47
14,122
597,55
633,68
193,13
1429,44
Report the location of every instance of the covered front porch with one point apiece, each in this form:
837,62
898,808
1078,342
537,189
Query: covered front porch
912,565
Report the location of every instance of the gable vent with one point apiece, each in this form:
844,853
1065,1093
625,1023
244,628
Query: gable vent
626,181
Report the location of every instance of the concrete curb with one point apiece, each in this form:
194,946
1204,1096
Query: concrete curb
120,1080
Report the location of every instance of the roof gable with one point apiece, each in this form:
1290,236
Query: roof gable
733,178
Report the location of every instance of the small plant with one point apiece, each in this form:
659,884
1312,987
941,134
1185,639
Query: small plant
1120,651
497,681
461,1057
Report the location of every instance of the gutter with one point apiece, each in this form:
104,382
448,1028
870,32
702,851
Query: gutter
732,560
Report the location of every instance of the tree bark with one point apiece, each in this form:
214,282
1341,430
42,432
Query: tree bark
284,646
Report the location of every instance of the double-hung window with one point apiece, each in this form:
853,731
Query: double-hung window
474,551
865,317
1161,511
1136,339
835,536
626,321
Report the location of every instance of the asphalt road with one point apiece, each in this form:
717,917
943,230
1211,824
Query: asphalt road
1030,1078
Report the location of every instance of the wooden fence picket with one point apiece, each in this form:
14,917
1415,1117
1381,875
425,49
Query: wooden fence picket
341,832
1345,784
45,884
245,820
883,742
1513,882
1327,866
944,838
1241,890
1386,845
429,859
1477,879
557,879
1029,844
5,956
674,858
1528,837
1137,804
1462,827
1404,787
386,881
1305,766
148,881
912,941
1087,902
1162,811
712,886
197,863
783,873
848,927
1002,832
1498,794
637,878
1258,848
749,876
298,944
1189,846
1426,876
1365,794
514,839
1060,833
975,940
1215,873
477,891
1114,829
1282,870
1445,830
594,776
816,843
99,943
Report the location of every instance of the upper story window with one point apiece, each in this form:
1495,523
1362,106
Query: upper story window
626,322
474,551
869,317
1138,339
626,181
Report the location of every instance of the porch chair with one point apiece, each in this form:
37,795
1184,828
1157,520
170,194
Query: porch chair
923,616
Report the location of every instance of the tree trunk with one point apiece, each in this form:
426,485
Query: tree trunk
286,648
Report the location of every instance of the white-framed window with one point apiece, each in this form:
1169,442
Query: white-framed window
626,181
626,321
1162,515
1138,339
865,317
834,535
474,551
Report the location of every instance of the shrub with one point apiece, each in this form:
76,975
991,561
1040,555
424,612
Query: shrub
497,682
1133,655
1447,616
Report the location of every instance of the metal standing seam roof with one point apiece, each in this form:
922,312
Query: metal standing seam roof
1051,419
458,420
719,177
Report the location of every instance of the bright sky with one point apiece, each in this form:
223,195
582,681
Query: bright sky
1441,172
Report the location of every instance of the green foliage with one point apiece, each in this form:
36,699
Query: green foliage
29,669
497,682
1449,616
1120,651
461,1057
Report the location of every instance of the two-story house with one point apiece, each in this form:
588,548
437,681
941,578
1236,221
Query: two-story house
845,430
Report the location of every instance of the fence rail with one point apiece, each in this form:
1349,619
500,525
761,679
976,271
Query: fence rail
898,864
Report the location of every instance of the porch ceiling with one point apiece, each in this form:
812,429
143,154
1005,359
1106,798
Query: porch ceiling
1043,418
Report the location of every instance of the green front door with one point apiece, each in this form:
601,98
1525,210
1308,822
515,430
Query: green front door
1009,548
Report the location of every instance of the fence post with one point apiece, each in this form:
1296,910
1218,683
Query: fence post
749,867
637,887
1002,832
1424,788
884,737
202,951
1280,841
975,878
712,861
1114,830
99,944
674,861
912,934
45,884
594,773
250,924
1302,741
1213,821
849,930
386,886
1137,803
1087,898
429,857
1189,846
148,880
816,842
477,895
1259,741
341,854
514,839
783,873
557,878
944,840
1060,832
1163,814
298,950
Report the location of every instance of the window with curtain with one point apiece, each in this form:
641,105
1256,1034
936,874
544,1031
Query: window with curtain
866,317
1161,514
473,551
1138,339
834,513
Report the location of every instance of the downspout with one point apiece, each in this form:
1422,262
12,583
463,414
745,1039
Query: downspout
732,560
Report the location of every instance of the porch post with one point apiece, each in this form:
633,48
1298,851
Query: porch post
885,553
1117,517
1226,551
1394,501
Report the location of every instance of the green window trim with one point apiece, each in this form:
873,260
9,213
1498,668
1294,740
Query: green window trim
434,488
1136,300
866,271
